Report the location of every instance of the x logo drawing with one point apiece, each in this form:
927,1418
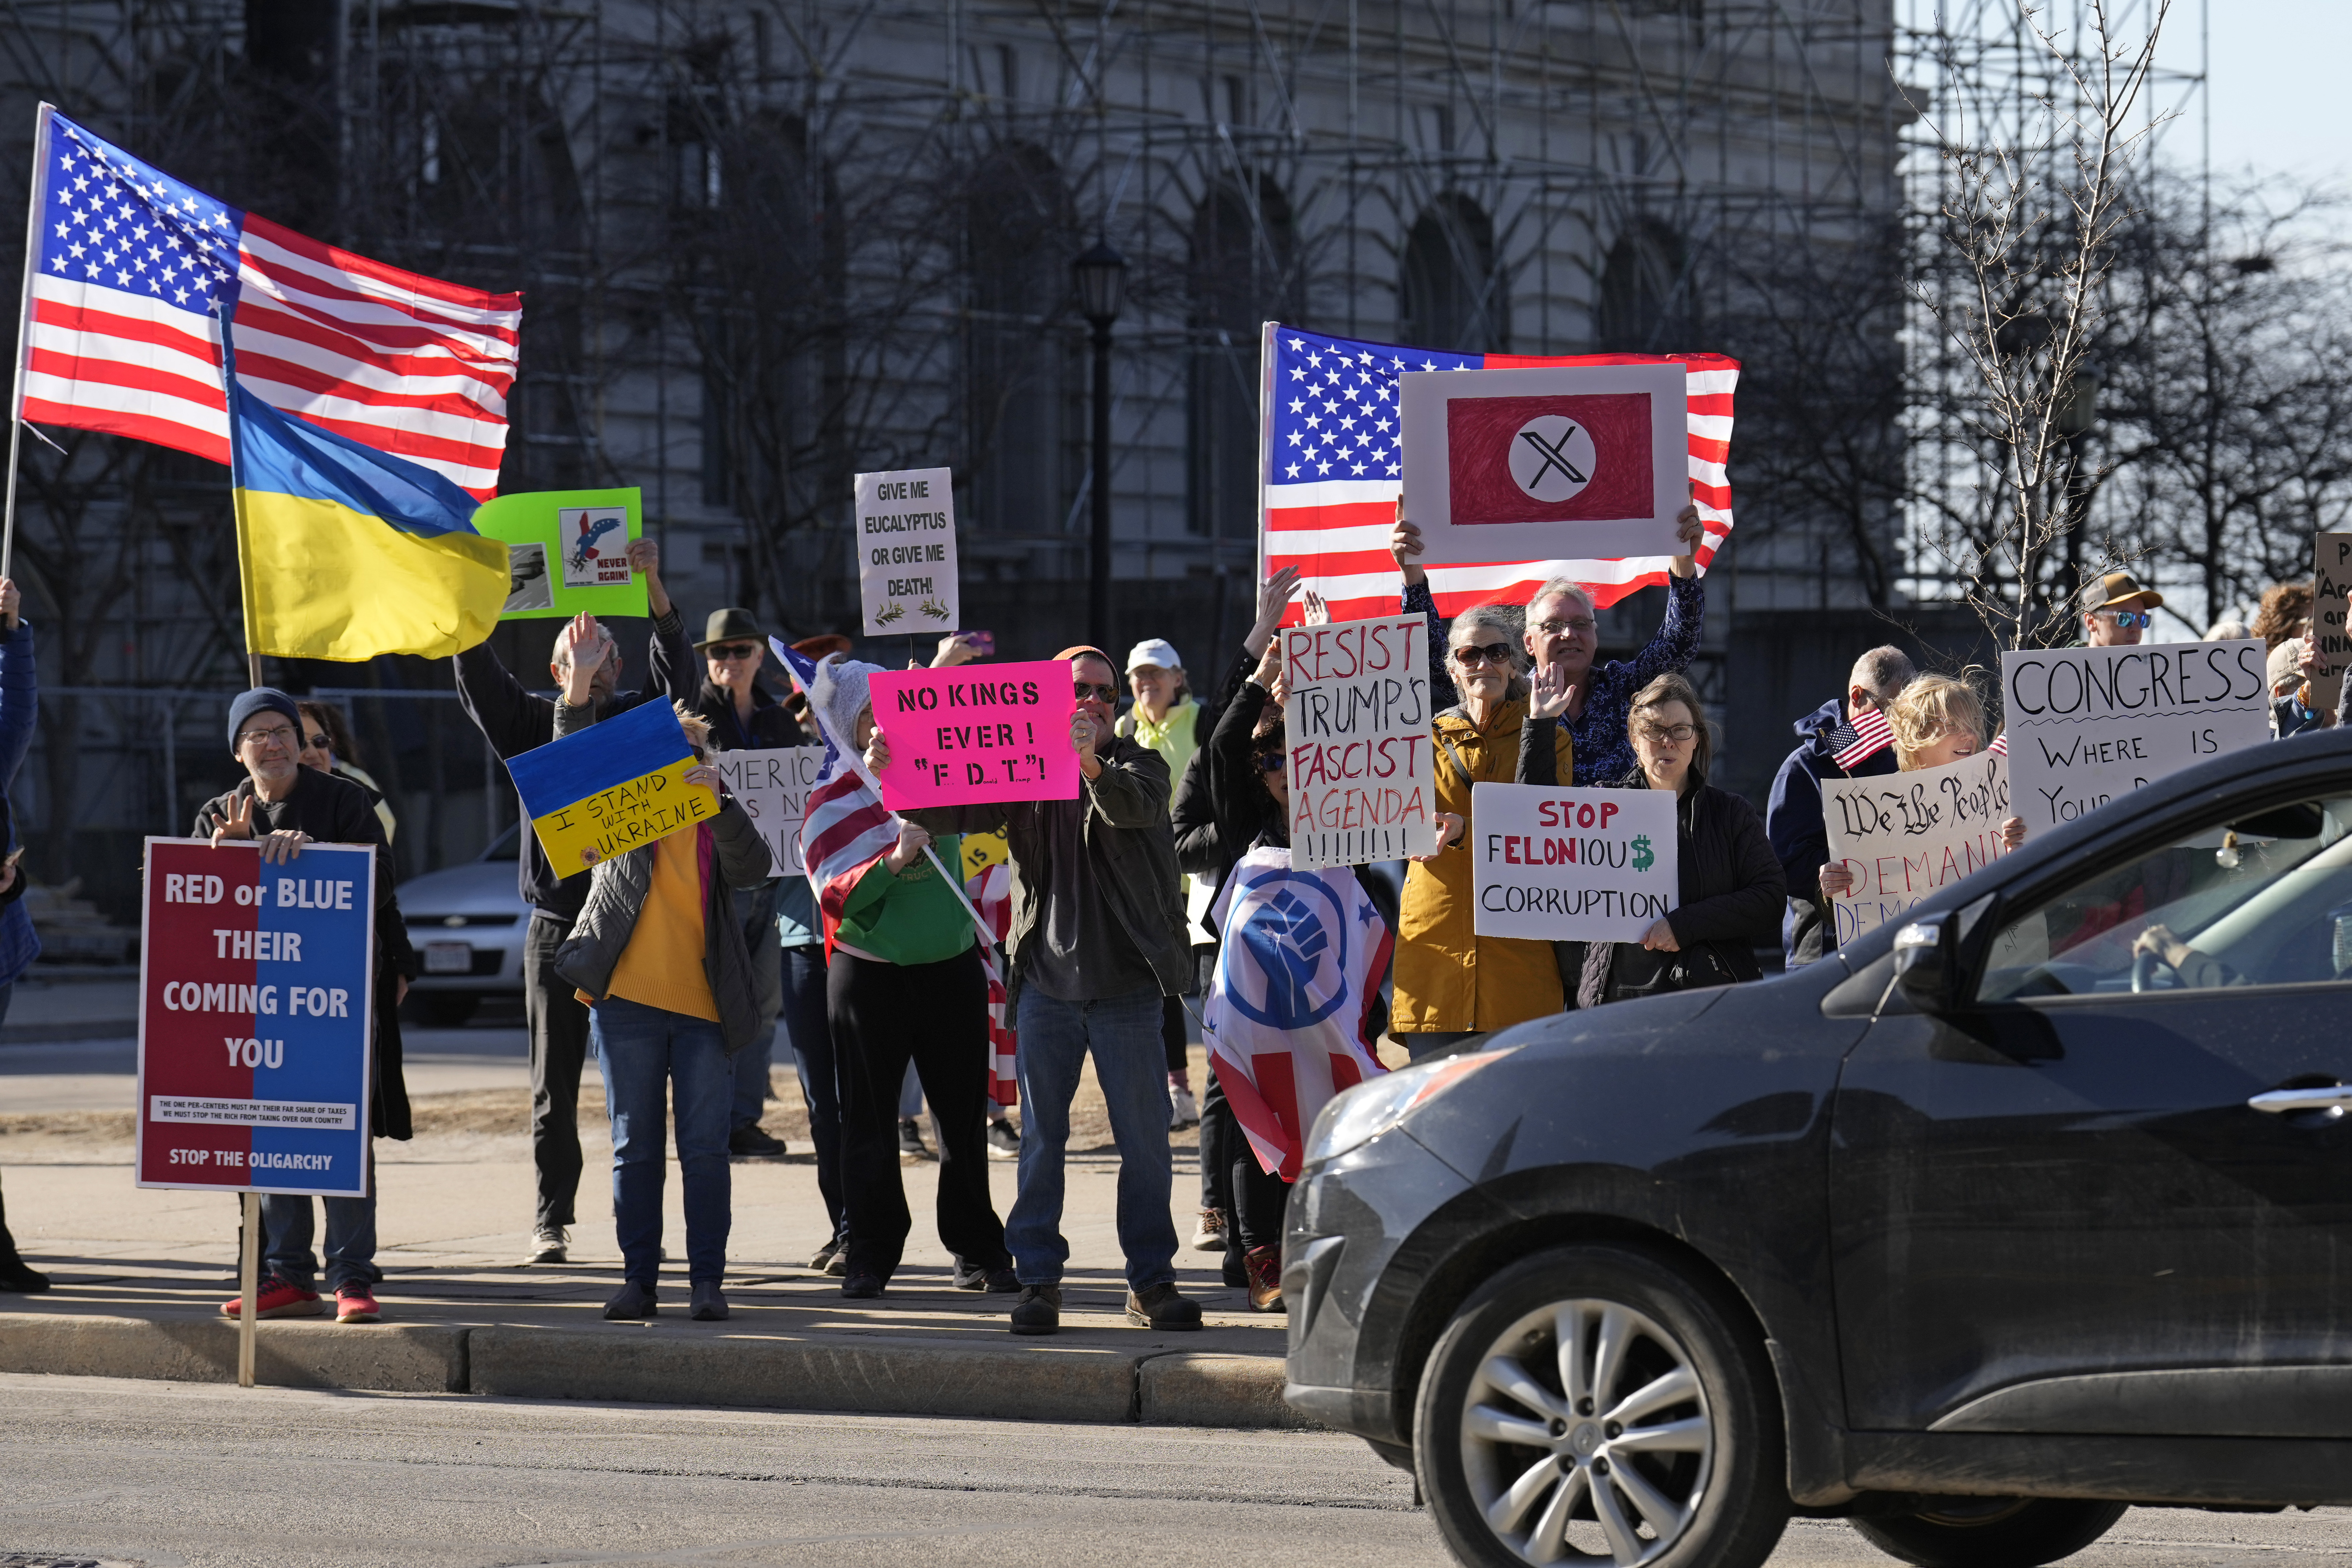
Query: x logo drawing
1554,457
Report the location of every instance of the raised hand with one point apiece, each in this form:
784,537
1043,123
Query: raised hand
1274,597
1548,692
584,649
1689,532
1404,540
238,823
956,647
1318,612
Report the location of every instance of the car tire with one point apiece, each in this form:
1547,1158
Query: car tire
1674,1429
443,1009
1990,1532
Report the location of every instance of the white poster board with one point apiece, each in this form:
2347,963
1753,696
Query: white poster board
907,551
1572,865
772,786
2331,586
1905,835
2087,724
1358,727
1565,463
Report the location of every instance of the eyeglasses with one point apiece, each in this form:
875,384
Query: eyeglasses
2127,619
1582,625
735,650
1085,688
317,743
1497,653
1269,762
276,735
1677,734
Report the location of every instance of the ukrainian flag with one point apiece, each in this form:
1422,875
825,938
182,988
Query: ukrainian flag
346,551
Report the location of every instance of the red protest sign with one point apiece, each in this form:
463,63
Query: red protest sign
976,732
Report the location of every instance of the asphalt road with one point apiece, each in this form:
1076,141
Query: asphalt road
167,1474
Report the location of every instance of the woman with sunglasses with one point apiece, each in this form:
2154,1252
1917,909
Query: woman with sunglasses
1730,889
327,745
1452,982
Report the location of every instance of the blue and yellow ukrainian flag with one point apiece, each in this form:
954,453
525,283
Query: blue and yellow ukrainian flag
346,551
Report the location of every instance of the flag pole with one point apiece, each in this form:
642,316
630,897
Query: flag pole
221,309
24,332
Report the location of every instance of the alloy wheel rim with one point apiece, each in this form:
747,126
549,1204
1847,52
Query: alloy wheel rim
1586,1437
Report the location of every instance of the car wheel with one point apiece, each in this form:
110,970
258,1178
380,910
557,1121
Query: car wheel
1991,1531
1595,1405
443,1009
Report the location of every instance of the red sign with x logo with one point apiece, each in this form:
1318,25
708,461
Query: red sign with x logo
1572,458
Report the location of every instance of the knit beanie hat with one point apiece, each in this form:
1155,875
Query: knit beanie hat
839,693
262,698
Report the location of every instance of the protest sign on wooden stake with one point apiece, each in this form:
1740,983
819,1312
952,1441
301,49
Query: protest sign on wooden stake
1358,727
2087,724
2331,586
1905,835
1572,865
907,551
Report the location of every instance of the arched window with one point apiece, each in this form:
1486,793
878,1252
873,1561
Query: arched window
1240,273
1025,431
1453,294
1645,295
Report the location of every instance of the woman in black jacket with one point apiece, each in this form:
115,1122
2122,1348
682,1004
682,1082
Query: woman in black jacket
1730,886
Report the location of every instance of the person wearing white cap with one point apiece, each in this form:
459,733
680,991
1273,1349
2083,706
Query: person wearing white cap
1166,719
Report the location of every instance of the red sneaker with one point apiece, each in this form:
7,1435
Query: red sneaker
355,1304
276,1299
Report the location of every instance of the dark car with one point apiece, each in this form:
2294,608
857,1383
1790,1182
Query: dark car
1973,1233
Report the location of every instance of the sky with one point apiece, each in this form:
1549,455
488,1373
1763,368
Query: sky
2275,83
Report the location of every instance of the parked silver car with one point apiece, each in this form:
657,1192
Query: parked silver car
467,924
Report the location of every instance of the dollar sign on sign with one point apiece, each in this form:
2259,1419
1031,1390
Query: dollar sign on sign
1642,858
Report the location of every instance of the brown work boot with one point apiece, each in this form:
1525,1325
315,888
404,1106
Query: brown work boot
1039,1311
1266,1280
1162,1308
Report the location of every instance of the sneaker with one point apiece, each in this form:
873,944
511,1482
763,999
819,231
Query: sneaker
1162,1308
276,1299
709,1306
549,1244
754,1143
1183,1110
1039,1311
911,1139
972,1277
355,1303
19,1276
1003,1139
837,1265
822,1260
1265,1266
1209,1235
862,1287
631,1301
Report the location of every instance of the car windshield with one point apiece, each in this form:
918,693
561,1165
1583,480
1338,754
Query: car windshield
2264,900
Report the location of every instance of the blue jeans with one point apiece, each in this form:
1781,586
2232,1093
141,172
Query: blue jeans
641,1050
811,1036
1123,1033
286,1229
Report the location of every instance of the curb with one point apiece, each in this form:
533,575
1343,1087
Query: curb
647,1365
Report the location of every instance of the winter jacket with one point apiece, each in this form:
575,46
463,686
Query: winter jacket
20,704
336,811
514,722
1728,885
616,895
1130,851
771,724
1792,821
1447,976
1199,852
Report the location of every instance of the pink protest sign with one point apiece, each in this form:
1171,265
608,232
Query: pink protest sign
977,732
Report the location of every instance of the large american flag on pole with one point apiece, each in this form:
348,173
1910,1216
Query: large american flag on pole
1333,468
120,334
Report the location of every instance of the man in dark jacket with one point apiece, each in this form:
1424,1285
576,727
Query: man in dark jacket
286,805
19,712
1792,816
514,722
744,716
1097,939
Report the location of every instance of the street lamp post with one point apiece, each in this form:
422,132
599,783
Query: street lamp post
1101,277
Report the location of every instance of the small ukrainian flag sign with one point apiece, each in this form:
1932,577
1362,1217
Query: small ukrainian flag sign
612,787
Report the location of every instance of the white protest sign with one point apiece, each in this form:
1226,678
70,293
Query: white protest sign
1905,835
772,786
1358,726
907,551
1572,865
2331,586
2087,724
1566,462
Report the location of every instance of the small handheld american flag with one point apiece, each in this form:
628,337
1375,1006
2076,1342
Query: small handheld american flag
1864,736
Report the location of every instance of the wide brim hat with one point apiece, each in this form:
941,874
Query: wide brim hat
2117,589
732,626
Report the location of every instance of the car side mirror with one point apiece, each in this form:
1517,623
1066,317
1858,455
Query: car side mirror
1926,962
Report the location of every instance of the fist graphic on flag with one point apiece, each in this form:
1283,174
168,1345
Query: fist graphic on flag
1288,942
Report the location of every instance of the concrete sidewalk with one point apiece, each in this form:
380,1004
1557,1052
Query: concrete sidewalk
139,1276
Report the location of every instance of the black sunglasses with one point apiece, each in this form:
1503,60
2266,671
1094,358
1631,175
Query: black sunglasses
1085,688
317,743
1270,762
735,650
1491,653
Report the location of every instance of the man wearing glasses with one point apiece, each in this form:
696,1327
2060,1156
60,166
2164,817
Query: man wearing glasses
2117,611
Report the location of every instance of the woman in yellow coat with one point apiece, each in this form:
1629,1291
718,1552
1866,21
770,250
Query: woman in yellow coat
1451,983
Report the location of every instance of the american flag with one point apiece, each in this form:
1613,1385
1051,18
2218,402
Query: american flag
122,334
846,827
1334,467
992,894
1860,738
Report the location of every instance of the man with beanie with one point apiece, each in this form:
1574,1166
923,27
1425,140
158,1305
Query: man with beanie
285,805
514,722
1097,939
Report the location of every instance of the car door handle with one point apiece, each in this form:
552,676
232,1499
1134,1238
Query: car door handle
2333,1097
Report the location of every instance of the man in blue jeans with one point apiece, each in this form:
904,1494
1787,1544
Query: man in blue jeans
1097,938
